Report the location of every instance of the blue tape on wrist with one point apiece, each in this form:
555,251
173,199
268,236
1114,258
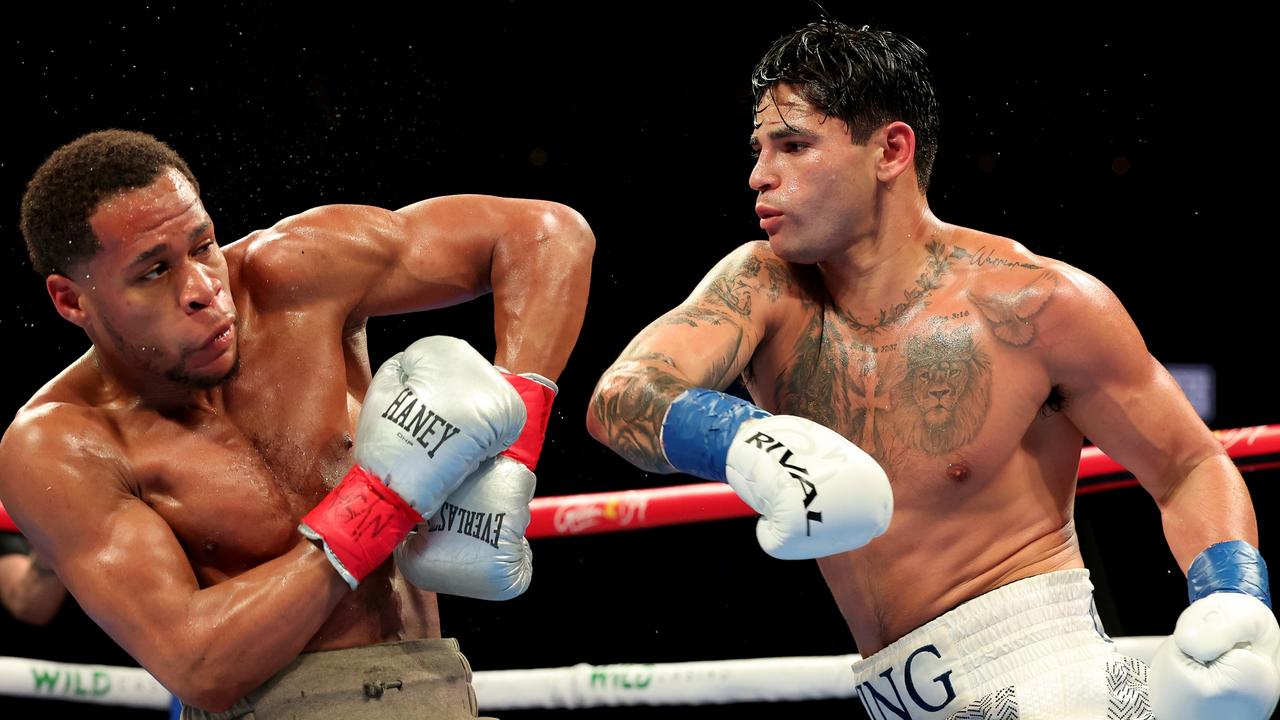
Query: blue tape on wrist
698,428
1232,566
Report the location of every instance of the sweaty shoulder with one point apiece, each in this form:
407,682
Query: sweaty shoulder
303,258
1028,300
58,452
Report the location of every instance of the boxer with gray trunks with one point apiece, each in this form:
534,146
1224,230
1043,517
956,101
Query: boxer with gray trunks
221,480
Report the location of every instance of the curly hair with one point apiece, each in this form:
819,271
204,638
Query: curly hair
65,192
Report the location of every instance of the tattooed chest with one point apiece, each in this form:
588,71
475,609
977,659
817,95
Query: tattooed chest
927,392
912,384
918,384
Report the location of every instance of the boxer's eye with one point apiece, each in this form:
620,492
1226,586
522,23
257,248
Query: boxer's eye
154,272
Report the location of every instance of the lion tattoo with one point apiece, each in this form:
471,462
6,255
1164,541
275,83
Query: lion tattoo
943,398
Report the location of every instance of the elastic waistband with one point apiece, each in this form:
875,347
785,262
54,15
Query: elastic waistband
1028,627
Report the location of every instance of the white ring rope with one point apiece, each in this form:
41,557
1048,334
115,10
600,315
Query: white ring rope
579,686
99,684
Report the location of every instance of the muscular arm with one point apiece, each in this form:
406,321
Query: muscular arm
64,478
534,256
29,590
1124,401
704,342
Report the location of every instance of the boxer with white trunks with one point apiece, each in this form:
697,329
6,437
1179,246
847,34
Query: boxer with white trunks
930,388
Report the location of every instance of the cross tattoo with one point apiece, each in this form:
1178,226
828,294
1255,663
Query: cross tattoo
871,402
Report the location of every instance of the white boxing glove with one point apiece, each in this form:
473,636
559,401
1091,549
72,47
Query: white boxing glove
431,415
475,545
817,493
1221,661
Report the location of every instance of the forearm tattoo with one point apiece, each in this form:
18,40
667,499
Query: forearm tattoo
632,406
636,393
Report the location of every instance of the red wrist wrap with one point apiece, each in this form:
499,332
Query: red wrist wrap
537,402
362,520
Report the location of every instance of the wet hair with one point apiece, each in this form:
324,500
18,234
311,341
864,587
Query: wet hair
865,77
67,188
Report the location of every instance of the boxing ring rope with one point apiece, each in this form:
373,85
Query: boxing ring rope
582,685
97,684
781,679
639,509
785,679
566,515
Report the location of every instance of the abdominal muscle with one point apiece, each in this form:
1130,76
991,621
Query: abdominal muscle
945,546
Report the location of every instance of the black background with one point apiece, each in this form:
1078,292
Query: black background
1134,148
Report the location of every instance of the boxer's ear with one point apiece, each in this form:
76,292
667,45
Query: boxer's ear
897,144
68,298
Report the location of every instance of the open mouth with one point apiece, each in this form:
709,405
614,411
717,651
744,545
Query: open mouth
213,348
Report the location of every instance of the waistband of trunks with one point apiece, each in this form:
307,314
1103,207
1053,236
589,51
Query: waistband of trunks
387,681
1028,627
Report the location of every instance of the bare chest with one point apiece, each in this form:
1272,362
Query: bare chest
936,395
232,483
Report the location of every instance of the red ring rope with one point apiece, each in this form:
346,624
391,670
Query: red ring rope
679,504
639,509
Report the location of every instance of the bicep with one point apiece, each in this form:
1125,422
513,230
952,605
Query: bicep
370,261
115,554
709,338
706,341
697,346
1123,399
1141,419
132,577
444,250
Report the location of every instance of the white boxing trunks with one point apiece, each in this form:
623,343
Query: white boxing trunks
1031,650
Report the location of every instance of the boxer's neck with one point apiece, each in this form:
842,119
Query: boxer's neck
875,271
123,385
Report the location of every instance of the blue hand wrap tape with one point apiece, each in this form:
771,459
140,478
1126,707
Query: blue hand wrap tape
1232,566
698,428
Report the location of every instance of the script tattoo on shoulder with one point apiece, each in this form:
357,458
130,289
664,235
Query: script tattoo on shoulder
984,257
1012,315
